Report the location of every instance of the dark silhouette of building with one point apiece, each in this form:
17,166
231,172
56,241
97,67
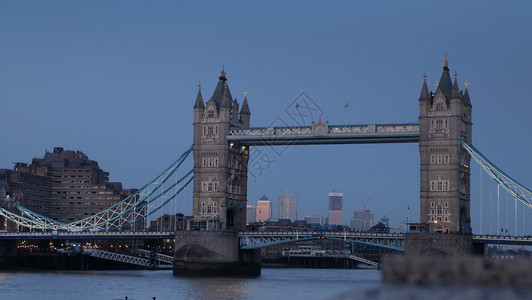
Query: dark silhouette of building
64,185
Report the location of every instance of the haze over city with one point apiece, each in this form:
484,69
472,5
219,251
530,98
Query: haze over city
119,83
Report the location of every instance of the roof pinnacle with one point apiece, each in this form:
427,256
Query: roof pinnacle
446,65
222,73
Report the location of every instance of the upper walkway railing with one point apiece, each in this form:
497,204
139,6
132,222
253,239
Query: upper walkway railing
323,133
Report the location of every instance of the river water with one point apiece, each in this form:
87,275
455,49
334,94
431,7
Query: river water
273,284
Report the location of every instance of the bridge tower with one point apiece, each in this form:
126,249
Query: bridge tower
220,167
445,119
219,193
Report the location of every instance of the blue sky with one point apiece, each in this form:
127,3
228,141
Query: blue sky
118,79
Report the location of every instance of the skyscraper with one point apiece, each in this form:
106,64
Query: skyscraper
335,208
287,207
264,209
362,219
251,213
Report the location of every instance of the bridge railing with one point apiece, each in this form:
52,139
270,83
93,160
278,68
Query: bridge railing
332,130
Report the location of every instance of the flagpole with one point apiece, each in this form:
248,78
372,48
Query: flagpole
345,113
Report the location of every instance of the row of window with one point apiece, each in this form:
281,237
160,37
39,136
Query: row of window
439,124
434,205
439,185
441,106
209,186
210,130
210,162
439,159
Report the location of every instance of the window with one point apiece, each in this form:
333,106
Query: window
439,185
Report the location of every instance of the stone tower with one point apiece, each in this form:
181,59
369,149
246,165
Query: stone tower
445,119
220,167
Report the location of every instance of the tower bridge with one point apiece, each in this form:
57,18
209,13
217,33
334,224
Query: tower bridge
222,137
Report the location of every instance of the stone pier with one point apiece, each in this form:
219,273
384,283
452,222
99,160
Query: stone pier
213,253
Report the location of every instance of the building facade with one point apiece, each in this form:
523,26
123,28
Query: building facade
220,168
336,202
264,209
362,220
251,213
287,207
445,119
314,220
64,185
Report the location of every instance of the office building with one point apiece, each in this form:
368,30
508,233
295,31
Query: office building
362,219
385,220
251,213
264,209
314,220
287,207
336,208
64,185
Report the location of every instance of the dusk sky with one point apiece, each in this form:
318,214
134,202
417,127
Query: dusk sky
118,80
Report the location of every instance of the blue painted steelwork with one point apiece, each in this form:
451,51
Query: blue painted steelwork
146,201
84,235
513,187
322,133
251,240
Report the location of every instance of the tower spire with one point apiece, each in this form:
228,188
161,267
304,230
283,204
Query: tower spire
424,90
245,106
446,65
199,99
222,73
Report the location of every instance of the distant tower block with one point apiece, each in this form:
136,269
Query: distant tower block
336,201
264,209
287,207
220,167
444,119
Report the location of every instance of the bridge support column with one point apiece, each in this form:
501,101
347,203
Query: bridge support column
8,253
438,244
213,253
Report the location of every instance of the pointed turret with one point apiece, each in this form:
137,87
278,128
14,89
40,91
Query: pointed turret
221,89
445,85
199,99
467,101
244,111
226,98
245,106
425,96
456,89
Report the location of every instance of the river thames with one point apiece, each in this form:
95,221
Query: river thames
273,284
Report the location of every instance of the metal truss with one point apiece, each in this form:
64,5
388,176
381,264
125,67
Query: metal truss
252,240
323,133
22,221
145,202
513,187
167,259
118,257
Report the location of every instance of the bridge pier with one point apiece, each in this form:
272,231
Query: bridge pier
213,253
438,244
8,253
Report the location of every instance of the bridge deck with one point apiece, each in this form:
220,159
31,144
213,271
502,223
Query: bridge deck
326,134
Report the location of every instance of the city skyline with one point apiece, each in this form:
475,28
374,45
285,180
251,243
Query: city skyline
122,89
